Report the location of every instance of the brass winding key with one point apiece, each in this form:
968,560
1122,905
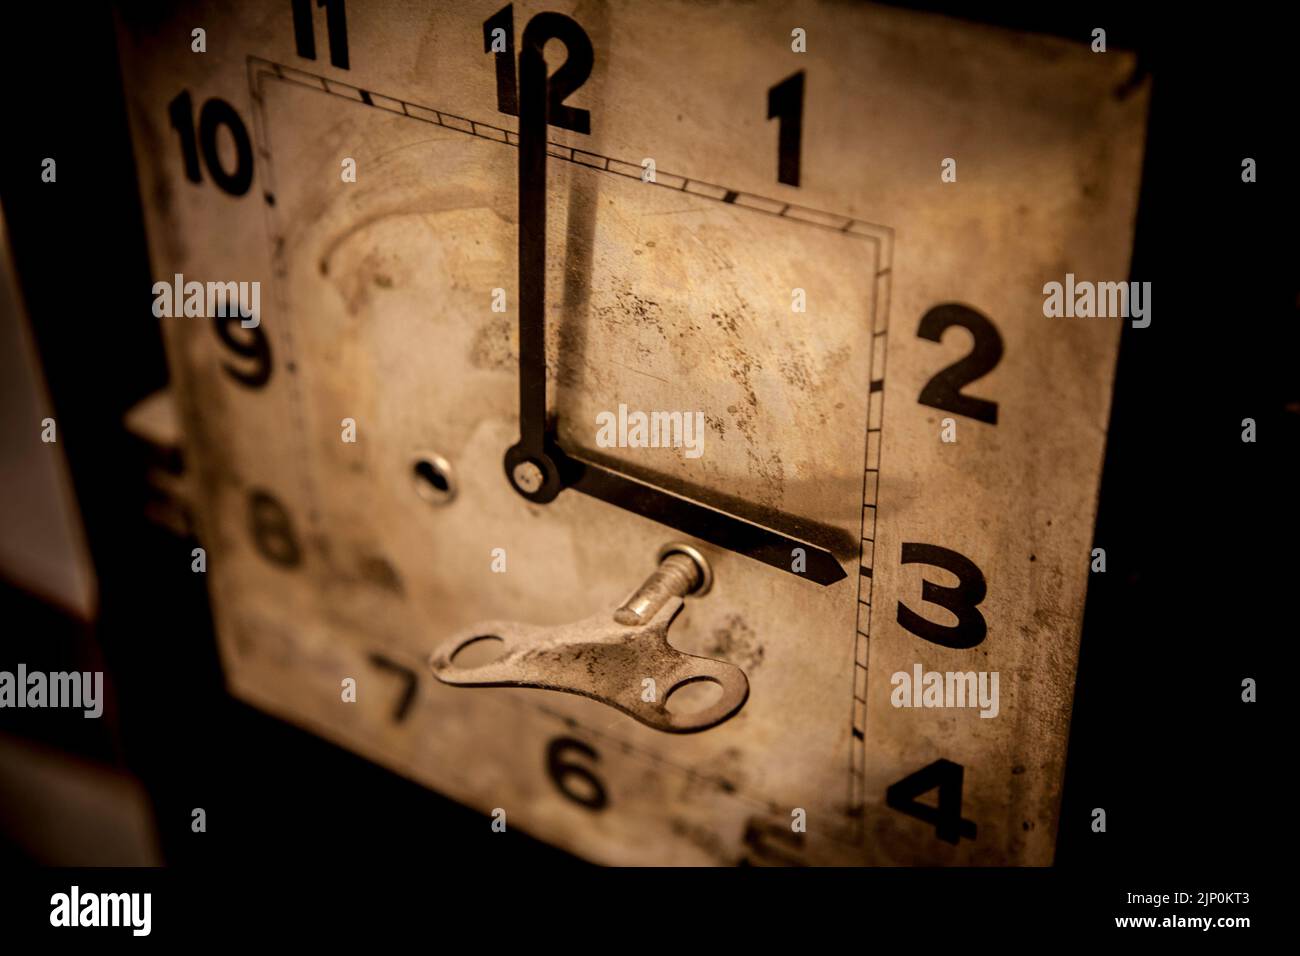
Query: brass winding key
609,656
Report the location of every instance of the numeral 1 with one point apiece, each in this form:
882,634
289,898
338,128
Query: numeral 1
499,39
785,103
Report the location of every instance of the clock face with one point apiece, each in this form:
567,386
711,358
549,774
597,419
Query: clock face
776,273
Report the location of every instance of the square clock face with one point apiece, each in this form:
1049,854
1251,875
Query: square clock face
642,418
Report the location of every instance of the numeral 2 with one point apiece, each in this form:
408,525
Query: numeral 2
944,390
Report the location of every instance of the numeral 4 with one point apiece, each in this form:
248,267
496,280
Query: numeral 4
947,819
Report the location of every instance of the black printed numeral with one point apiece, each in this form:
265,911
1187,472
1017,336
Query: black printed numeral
499,40
410,682
590,792
944,390
785,103
946,817
272,530
563,83
247,343
971,588
215,114
771,843
336,28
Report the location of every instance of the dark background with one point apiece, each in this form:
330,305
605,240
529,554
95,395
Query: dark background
1198,527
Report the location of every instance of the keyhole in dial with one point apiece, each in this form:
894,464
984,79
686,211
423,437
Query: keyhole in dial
435,481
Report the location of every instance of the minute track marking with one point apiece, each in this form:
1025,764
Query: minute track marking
765,205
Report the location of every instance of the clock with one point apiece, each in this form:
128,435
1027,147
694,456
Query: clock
641,421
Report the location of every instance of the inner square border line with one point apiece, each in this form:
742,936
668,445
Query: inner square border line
881,236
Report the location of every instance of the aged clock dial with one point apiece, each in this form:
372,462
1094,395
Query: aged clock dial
495,245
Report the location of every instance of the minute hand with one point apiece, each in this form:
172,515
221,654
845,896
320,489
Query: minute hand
772,547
